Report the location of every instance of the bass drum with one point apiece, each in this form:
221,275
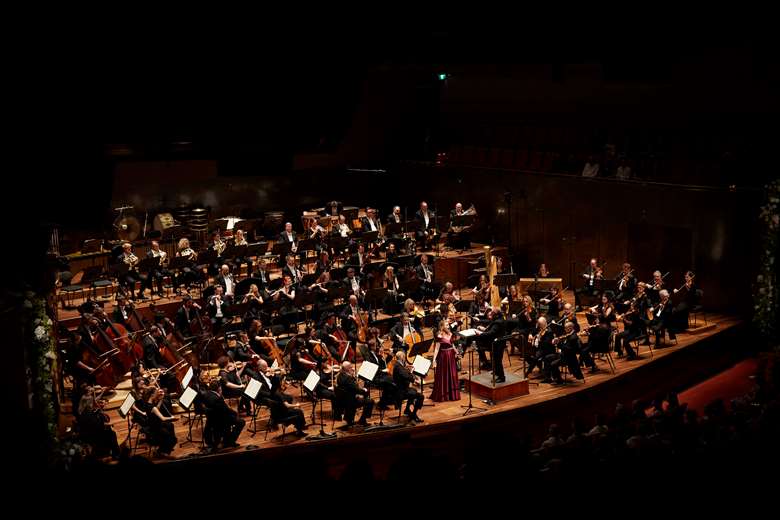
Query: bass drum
163,221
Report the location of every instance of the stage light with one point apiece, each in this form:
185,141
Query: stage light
443,76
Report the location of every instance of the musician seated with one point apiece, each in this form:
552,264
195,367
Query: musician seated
323,264
390,282
291,270
395,217
288,236
382,380
190,273
159,422
425,274
232,386
187,313
223,425
370,222
350,318
543,353
217,309
543,271
121,312
152,343
342,229
351,397
400,331
391,255
360,259
633,327
217,245
570,347
283,411
238,240
262,274
458,236
132,276
158,273
288,312
404,381
325,334
301,361
662,313
227,282
95,428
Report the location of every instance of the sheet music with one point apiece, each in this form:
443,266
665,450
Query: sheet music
187,397
469,333
312,380
127,404
368,370
185,382
252,388
421,365
275,365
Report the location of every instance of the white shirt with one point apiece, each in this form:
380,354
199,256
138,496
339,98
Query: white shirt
425,217
355,285
427,273
267,381
371,223
623,172
344,230
289,236
218,305
229,285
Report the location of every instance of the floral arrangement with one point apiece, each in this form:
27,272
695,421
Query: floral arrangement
765,297
41,362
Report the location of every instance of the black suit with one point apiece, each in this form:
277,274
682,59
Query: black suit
221,280
183,320
661,321
156,274
570,347
398,330
222,422
351,397
212,309
118,317
420,234
590,287
486,341
633,328
544,356
287,271
367,225
264,278
404,382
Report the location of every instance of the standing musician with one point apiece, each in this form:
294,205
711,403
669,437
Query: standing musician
217,309
351,397
404,380
400,331
227,282
158,273
486,341
662,313
592,274
543,353
132,276
427,222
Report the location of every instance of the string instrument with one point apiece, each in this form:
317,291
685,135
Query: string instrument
174,360
198,325
346,352
103,370
271,348
410,341
652,310
687,285
176,341
362,327
118,352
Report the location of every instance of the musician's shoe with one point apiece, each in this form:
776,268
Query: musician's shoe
594,369
500,380
363,422
416,418
232,445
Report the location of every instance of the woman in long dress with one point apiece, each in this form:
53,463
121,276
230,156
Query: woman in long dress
445,382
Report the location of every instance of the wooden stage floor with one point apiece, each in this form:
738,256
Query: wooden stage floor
441,414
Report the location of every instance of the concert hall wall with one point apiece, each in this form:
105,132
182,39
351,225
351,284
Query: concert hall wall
561,220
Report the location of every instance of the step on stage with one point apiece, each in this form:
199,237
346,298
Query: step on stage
482,386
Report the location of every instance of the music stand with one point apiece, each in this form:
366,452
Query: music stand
470,407
375,297
186,399
310,384
421,367
281,249
504,279
257,249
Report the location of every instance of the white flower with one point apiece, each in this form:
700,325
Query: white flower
27,304
40,333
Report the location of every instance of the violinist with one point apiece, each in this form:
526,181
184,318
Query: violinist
526,319
94,426
351,396
187,313
301,361
569,345
447,288
159,421
543,354
569,315
662,312
404,380
689,292
591,276
482,287
158,272
217,309
427,229
232,385
633,327
653,288
280,404
604,316
554,302
626,285
478,307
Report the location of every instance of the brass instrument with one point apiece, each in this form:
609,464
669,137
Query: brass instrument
189,253
131,260
469,212
219,247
